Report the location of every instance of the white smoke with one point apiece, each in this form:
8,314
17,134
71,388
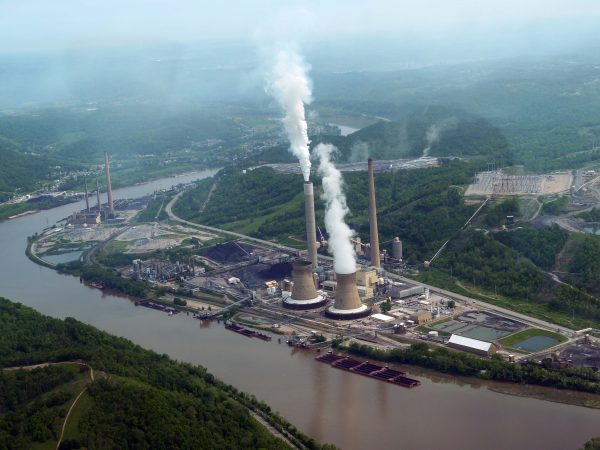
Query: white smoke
359,152
344,258
434,132
291,88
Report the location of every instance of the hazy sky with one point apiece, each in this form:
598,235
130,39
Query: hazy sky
31,25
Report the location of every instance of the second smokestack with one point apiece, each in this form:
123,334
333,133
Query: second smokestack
108,187
373,218
87,201
311,230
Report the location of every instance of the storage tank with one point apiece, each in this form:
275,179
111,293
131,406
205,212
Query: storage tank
397,248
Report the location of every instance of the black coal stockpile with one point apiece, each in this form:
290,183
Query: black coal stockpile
228,253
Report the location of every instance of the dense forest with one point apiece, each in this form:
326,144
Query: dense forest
423,206
541,246
139,400
481,260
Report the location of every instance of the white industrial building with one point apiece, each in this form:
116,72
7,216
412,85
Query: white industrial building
472,345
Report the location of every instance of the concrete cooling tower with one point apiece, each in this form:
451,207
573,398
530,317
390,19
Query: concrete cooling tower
347,304
304,293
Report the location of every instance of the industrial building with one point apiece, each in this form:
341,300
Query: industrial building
366,283
466,344
156,270
421,317
86,218
97,214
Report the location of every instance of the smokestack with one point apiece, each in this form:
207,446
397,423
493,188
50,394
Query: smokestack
311,232
87,201
347,303
304,294
373,219
98,194
108,187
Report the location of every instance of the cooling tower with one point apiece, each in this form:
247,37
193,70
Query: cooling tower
311,232
397,248
373,219
304,294
347,303
108,186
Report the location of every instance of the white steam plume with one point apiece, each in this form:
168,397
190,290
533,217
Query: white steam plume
291,88
344,258
434,132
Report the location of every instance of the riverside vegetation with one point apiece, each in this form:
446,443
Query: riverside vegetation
494,368
139,400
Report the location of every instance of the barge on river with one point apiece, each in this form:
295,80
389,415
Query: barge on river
246,332
157,306
368,369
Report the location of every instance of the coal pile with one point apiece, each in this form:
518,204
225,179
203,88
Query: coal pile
228,253
255,276
277,271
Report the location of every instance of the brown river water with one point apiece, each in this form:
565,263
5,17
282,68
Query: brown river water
331,405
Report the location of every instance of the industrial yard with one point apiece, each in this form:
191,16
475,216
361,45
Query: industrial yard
497,182
298,294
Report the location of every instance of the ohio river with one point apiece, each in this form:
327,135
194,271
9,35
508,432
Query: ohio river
330,405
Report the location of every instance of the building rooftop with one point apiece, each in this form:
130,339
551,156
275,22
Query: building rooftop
382,317
471,343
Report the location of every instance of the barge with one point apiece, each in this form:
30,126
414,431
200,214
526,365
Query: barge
368,369
246,332
157,306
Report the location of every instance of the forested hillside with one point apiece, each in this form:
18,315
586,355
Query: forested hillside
420,129
139,399
423,206
20,172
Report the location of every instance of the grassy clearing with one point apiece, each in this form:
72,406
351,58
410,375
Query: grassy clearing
250,226
513,339
288,241
84,404
116,246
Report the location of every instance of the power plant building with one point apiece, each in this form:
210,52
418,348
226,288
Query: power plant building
366,283
421,317
86,218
